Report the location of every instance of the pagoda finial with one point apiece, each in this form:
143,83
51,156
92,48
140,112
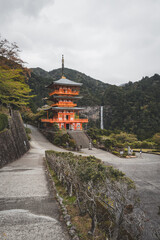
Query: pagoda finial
62,65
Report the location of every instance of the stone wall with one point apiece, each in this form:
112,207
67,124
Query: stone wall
13,141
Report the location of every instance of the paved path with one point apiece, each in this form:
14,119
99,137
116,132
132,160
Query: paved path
28,209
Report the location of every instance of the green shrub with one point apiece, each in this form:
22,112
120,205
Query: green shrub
28,130
64,138
57,141
146,144
63,145
124,154
120,145
3,121
116,153
94,142
72,143
136,144
124,137
156,140
115,173
108,143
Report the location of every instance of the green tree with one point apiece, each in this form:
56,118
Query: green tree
14,89
156,139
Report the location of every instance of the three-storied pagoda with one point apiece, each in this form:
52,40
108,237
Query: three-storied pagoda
64,110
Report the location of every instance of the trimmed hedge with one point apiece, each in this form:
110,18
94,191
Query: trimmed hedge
3,121
102,192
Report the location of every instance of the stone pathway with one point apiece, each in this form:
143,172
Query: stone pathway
28,208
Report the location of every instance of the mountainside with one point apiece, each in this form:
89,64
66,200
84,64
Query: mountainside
132,107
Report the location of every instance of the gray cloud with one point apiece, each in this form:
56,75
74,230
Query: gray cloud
28,7
114,41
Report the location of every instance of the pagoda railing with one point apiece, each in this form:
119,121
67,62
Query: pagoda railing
64,92
52,120
64,104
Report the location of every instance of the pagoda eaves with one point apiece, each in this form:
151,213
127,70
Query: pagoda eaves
64,82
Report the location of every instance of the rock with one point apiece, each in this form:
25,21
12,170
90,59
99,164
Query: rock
72,232
75,238
73,228
68,223
67,217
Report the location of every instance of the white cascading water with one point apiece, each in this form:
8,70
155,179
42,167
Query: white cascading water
101,117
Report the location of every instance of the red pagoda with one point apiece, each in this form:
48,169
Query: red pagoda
64,110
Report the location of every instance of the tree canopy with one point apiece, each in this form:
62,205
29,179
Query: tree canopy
14,89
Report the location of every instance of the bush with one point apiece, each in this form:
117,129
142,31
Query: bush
119,145
72,143
57,141
108,143
116,153
146,144
94,142
124,154
156,140
124,137
136,144
28,130
3,121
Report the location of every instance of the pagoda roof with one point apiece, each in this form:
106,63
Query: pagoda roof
67,108
64,108
64,82
64,97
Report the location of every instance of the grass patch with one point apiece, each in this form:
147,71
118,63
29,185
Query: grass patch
153,151
28,132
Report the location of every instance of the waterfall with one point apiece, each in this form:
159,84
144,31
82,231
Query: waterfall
101,124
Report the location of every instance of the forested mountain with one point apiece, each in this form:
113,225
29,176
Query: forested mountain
135,107
132,107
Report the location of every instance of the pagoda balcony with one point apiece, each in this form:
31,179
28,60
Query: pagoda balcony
64,92
52,120
64,104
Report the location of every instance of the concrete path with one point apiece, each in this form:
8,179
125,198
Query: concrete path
28,209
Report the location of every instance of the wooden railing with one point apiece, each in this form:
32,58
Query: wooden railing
64,104
52,120
64,92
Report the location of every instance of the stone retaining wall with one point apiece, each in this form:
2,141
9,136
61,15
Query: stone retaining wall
13,141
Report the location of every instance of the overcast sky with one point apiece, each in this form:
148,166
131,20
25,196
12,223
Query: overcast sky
115,41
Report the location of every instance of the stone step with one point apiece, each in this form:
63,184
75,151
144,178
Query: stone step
81,139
